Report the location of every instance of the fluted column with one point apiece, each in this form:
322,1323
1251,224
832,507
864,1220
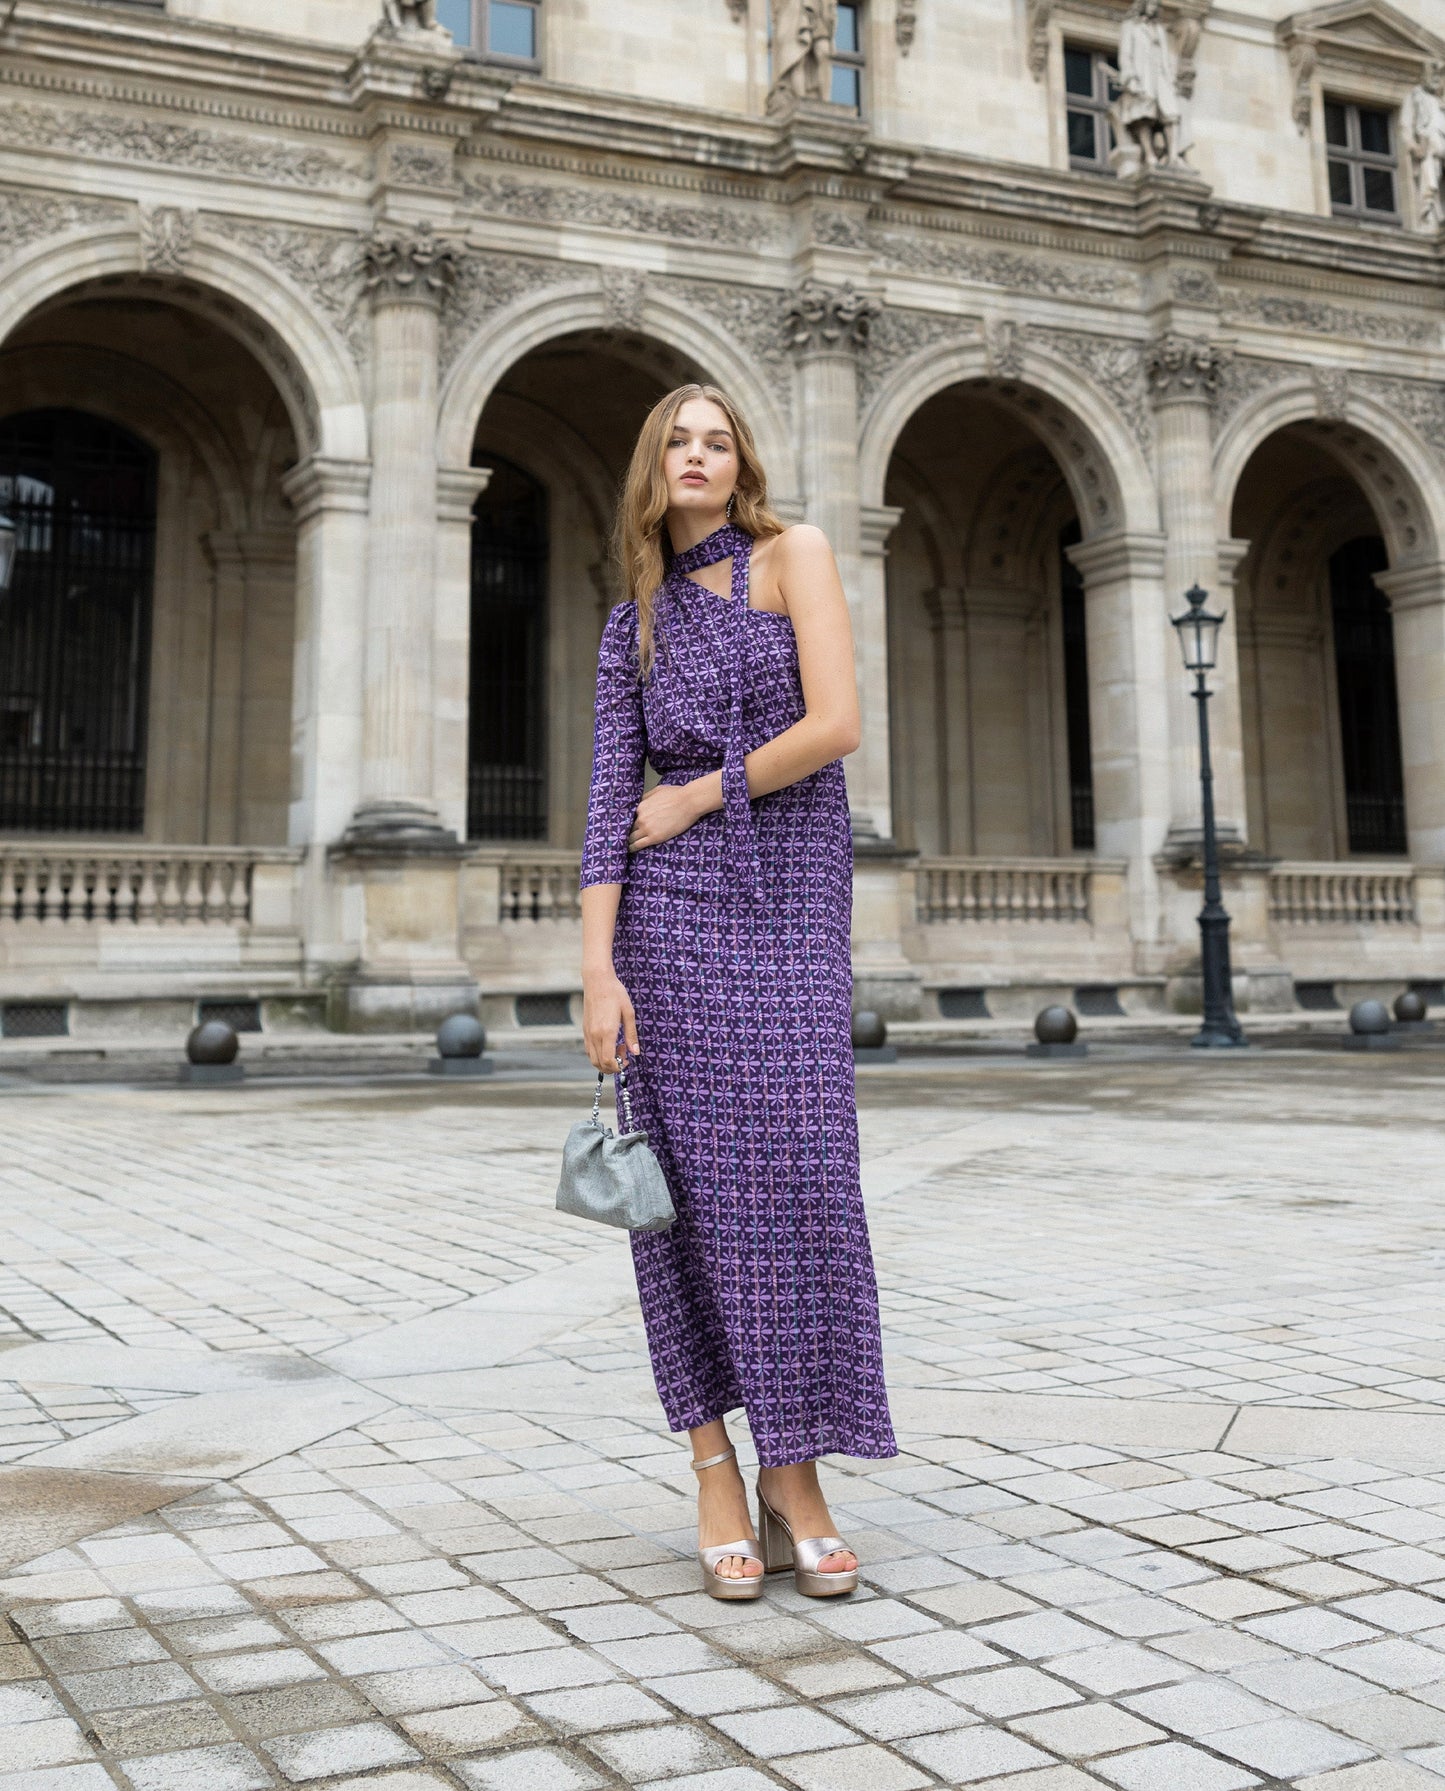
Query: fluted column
825,327
409,273
1183,373
1417,603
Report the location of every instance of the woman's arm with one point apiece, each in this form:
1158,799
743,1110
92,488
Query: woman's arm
830,728
619,752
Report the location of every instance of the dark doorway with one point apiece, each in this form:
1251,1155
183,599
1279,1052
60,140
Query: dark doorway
1076,695
506,762
75,626
1369,707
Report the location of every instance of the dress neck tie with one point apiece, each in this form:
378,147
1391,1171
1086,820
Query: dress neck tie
731,541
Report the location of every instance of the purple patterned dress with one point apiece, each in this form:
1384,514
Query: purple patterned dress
733,941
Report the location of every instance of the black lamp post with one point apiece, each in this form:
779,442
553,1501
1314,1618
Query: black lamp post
1199,640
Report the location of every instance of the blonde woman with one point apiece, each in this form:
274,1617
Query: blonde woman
715,929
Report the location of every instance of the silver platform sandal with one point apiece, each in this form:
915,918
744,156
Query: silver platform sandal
780,1552
711,1559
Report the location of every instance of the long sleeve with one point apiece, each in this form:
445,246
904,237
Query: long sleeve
619,752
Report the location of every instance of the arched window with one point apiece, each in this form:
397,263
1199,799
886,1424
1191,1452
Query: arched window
506,769
1369,708
75,626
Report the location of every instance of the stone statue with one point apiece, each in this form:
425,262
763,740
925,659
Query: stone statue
1425,133
803,32
410,15
1147,114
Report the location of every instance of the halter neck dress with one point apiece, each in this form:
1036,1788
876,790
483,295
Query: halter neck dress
732,939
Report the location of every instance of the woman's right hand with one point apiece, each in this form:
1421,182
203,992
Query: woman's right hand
606,1006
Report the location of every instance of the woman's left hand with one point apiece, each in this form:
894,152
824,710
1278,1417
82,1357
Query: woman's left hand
664,812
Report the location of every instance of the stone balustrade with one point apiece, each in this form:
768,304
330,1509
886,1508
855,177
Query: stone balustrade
529,883
140,885
1007,889
1343,895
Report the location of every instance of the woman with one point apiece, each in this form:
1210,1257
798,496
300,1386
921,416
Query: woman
715,937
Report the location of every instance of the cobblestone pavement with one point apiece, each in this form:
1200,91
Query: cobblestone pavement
332,1457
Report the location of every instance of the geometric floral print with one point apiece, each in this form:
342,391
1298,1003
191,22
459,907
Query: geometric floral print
732,939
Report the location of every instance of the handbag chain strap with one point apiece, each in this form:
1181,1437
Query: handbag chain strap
624,1100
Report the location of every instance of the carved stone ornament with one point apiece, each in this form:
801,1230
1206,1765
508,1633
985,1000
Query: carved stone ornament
28,217
1115,365
1287,312
1179,368
949,256
818,318
1303,60
624,291
1332,391
896,335
803,36
1037,15
166,235
410,18
487,283
1241,378
411,165
1416,402
325,264
905,25
749,316
739,10
1425,136
405,264
1147,116
1005,348
500,195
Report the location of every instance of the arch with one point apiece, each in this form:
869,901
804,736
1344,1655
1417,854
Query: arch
304,357
529,323
1108,473
1391,464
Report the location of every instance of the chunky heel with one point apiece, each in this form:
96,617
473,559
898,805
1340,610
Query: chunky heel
780,1552
710,1559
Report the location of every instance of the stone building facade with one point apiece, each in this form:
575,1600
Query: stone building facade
325,331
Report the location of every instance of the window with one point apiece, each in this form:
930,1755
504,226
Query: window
1368,704
503,28
1360,153
1090,85
848,57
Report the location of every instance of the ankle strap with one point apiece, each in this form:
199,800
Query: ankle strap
713,1460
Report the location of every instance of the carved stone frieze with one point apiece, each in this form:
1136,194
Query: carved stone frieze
624,291
1004,341
933,253
1115,365
841,230
905,24
1242,378
1416,402
500,195
415,166
166,235
1332,391
28,217
1180,367
118,136
818,318
487,283
1320,317
1194,286
1303,60
895,335
325,264
411,264
749,315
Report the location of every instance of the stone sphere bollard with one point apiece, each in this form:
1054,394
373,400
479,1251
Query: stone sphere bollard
870,1039
1056,1033
1056,1026
1410,1008
461,1040
1370,1028
211,1051
1369,1017
213,1041
461,1035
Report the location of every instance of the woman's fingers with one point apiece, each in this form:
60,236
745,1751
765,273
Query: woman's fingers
629,1026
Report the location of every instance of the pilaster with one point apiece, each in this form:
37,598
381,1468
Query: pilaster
1417,603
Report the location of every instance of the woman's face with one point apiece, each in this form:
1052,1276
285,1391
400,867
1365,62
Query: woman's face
700,462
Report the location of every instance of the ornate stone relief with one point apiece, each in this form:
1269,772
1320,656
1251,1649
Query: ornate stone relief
485,283
325,264
166,235
818,317
1194,286
402,262
1180,367
27,217
624,292
1325,319
1425,124
749,315
895,335
543,202
1037,15
1116,367
1332,391
1241,378
1417,402
1303,61
1004,342
414,166
114,135
905,24
937,254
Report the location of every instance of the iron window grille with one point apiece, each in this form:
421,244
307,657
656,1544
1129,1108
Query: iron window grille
847,86
1364,640
1362,161
508,30
1076,695
1091,85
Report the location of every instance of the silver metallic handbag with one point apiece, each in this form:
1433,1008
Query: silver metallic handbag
611,1177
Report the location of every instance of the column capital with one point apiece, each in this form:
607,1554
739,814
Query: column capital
1182,369
876,522
318,483
1230,554
409,264
819,319
1414,587
1107,559
458,488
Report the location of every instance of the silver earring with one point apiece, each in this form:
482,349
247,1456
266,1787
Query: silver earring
732,499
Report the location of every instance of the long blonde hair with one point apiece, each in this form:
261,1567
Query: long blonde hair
640,538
